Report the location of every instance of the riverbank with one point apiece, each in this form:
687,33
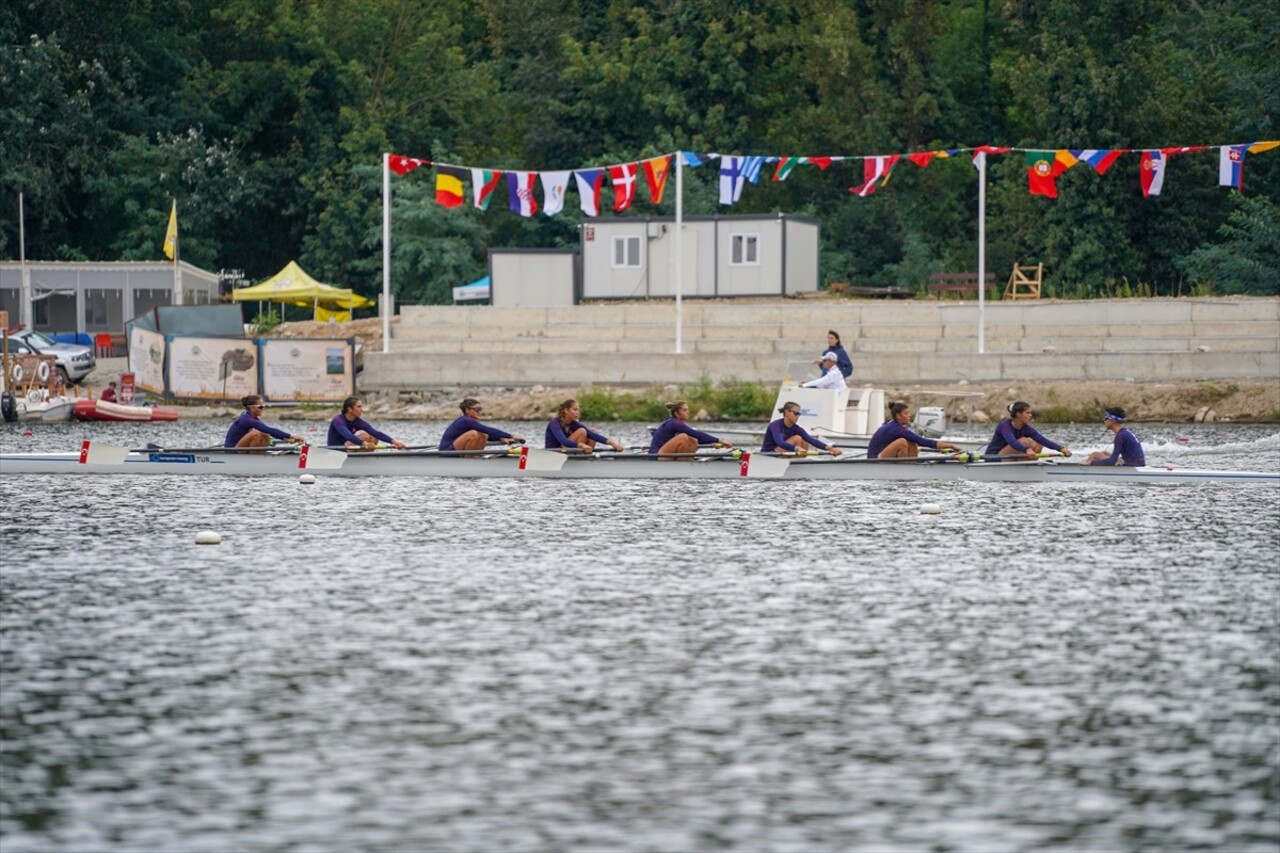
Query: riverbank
1054,402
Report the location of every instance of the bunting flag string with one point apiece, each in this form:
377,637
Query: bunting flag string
1043,168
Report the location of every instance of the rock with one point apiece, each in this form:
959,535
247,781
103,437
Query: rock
1202,348
980,417
702,415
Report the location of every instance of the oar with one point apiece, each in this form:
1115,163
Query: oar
155,448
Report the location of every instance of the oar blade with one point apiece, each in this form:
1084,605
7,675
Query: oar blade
96,453
321,459
759,466
532,459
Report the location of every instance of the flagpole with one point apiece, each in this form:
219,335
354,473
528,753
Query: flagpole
25,311
982,250
177,276
679,246
386,252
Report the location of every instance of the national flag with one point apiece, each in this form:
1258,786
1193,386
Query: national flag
875,172
983,149
1043,169
1151,172
731,179
624,185
1231,166
921,158
1259,147
690,159
786,165
520,193
402,165
171,233
483,184
554,187
589,183
1186,149
822,162
751,167
1100,159
656,170
449,186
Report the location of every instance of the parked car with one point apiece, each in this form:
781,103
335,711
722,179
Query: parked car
75,361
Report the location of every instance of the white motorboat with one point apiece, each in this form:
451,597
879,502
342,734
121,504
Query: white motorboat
95,458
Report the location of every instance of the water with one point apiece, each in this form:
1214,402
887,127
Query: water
544,665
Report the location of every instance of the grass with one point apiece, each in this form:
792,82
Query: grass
1061,414
1207,393
731,400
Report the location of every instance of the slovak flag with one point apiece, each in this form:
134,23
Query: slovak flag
875,171
589,183
1231,166
520,192
624,185
1151,172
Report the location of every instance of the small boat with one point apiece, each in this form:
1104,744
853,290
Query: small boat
102,410
40,406
95,458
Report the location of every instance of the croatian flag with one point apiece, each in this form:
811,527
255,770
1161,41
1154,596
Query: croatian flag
589,183
624,185
1151,172
1231,166
520,192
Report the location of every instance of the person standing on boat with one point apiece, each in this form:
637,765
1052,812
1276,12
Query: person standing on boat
108,393
248,431
842,357
565,430
831,375
349,429
893,440
468,433
1126,450
676,436
1016,435
785,435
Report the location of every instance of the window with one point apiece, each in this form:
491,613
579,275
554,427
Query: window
746,249
626,252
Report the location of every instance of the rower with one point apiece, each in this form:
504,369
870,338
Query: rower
784,434
894,441
468,433
674,436
1016,435
566,431
248,431
349,429
1126,450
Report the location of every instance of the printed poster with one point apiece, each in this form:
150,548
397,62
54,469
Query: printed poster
146,360
306,370
212,368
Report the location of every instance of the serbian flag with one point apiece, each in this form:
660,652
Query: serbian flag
1151,172
449,186
624,185
554,186
1043,169
875,171
656,170
589,183
520,193
1099,159
1231,166
483,183
402,165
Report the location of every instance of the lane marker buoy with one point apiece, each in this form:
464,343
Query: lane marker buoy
930,509
307,478
208,537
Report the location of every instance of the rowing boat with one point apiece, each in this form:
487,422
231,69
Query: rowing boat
528,462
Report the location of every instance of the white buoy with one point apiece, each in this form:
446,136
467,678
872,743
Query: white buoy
930,509
307,478
208,537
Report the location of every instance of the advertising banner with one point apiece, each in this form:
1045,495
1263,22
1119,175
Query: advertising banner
127,385
146,359
321,371
212,368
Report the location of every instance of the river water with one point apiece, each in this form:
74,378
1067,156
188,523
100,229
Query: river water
553,665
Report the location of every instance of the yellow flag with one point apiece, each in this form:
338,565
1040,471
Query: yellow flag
171,236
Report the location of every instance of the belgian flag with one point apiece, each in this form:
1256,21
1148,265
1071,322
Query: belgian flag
449,186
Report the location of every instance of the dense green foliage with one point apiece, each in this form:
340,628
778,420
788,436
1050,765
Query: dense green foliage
267,119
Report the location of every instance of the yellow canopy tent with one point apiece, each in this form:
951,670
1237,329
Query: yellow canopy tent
292,286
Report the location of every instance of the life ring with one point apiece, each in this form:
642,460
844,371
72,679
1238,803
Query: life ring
15,373
34,396
42,371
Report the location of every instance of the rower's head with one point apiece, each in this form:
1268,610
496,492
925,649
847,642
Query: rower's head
900,411
569,410
471,407
351,405
1020,411
833,338
252,403
790,411
1114,416
678,409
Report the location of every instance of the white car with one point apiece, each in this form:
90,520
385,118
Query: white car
75,361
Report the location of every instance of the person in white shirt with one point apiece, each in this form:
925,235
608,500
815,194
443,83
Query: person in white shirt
831,375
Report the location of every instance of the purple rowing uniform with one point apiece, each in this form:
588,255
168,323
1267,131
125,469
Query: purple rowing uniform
240,428
1007,436
889,432
558,436
1126,451
341,430
672,427
775,437
466,424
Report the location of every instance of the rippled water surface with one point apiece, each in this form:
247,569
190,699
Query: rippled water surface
558,665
